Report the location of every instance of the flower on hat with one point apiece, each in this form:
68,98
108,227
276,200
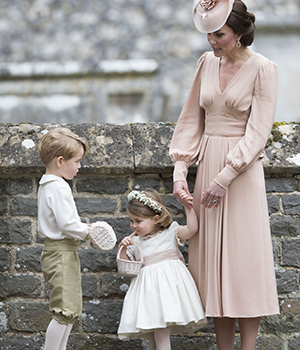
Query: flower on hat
203,6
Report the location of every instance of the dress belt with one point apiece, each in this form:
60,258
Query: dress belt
170,254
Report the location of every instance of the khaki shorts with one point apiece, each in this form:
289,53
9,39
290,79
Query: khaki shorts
61,267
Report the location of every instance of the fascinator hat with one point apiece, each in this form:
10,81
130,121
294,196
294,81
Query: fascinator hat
210,15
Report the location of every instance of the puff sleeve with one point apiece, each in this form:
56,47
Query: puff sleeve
185,143
258,128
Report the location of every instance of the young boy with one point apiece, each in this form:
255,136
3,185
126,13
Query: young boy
59,223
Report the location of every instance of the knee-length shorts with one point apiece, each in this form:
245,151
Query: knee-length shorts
61,268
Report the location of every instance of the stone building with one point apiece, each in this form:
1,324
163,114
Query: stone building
123,61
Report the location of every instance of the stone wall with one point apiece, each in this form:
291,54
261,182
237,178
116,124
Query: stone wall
121,158
54,56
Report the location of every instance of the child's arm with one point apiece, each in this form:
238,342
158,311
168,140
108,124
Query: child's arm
191,227
126,241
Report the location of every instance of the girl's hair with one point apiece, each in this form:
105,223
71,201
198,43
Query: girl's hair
60,142
135,207
242,22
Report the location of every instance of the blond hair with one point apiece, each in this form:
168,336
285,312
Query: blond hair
60,142
138,208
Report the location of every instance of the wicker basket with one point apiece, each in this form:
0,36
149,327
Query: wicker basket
102,235
127,267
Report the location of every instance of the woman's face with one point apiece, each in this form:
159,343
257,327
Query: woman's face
222,41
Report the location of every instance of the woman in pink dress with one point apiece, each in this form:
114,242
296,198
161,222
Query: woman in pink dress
224,125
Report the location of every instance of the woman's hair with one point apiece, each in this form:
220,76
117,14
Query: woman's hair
135,207
242,22
60,142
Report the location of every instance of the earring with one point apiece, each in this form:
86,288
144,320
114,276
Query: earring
238,43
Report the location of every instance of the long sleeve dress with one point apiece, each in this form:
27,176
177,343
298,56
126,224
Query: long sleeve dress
231,259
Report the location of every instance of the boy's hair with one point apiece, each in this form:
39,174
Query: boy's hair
60,142
135,207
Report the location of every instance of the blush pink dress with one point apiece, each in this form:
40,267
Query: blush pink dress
231,259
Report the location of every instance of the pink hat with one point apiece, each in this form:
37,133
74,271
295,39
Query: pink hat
210,15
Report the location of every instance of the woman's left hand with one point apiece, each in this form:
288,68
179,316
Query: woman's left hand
212,195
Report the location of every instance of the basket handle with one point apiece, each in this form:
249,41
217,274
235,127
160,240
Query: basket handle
121,246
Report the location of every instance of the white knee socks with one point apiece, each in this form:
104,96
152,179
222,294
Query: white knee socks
57,336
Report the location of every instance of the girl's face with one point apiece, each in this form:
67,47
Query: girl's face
222,41
142,226
69,168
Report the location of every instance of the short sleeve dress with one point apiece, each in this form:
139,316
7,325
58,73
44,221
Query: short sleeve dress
231,259
163,293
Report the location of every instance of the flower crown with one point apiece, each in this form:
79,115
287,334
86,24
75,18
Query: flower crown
141,196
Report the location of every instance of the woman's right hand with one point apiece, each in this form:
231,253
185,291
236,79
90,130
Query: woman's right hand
179,188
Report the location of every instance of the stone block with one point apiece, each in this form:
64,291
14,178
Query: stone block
95,260
151,142
23,206
16,186
285,226
3,206
286,281
19,286
294,343
29,316
103,185
3,320
4,259
95,205
284,184
18,342
101,317
29,259
291,252
143,182
172,204
276,250
268,343
89,286
96,342
110,148
193,343
273,204
15,231
287,322
113,285
291,204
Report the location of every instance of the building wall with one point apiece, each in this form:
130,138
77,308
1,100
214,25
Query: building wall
122,158
72,39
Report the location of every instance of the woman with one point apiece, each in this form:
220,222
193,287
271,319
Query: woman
224,125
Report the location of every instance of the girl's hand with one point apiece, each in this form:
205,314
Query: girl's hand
182,194
126,241
212,195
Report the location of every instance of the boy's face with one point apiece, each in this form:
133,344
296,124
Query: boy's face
69,168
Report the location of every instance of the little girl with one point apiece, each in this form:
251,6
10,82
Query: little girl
163,296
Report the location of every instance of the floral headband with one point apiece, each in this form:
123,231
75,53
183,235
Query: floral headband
149,202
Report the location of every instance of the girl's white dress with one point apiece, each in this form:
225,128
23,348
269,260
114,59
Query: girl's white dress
163,294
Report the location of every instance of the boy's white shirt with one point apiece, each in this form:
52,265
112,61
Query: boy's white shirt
57,213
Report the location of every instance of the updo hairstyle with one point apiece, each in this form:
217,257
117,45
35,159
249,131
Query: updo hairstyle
137,208
242,22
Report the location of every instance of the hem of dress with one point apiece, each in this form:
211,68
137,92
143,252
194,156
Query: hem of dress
249,316
188,328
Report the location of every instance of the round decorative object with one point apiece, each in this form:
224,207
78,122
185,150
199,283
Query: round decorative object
102,235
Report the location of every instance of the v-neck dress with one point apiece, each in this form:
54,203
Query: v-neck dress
231,259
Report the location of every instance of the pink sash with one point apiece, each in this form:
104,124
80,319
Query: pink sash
171,254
